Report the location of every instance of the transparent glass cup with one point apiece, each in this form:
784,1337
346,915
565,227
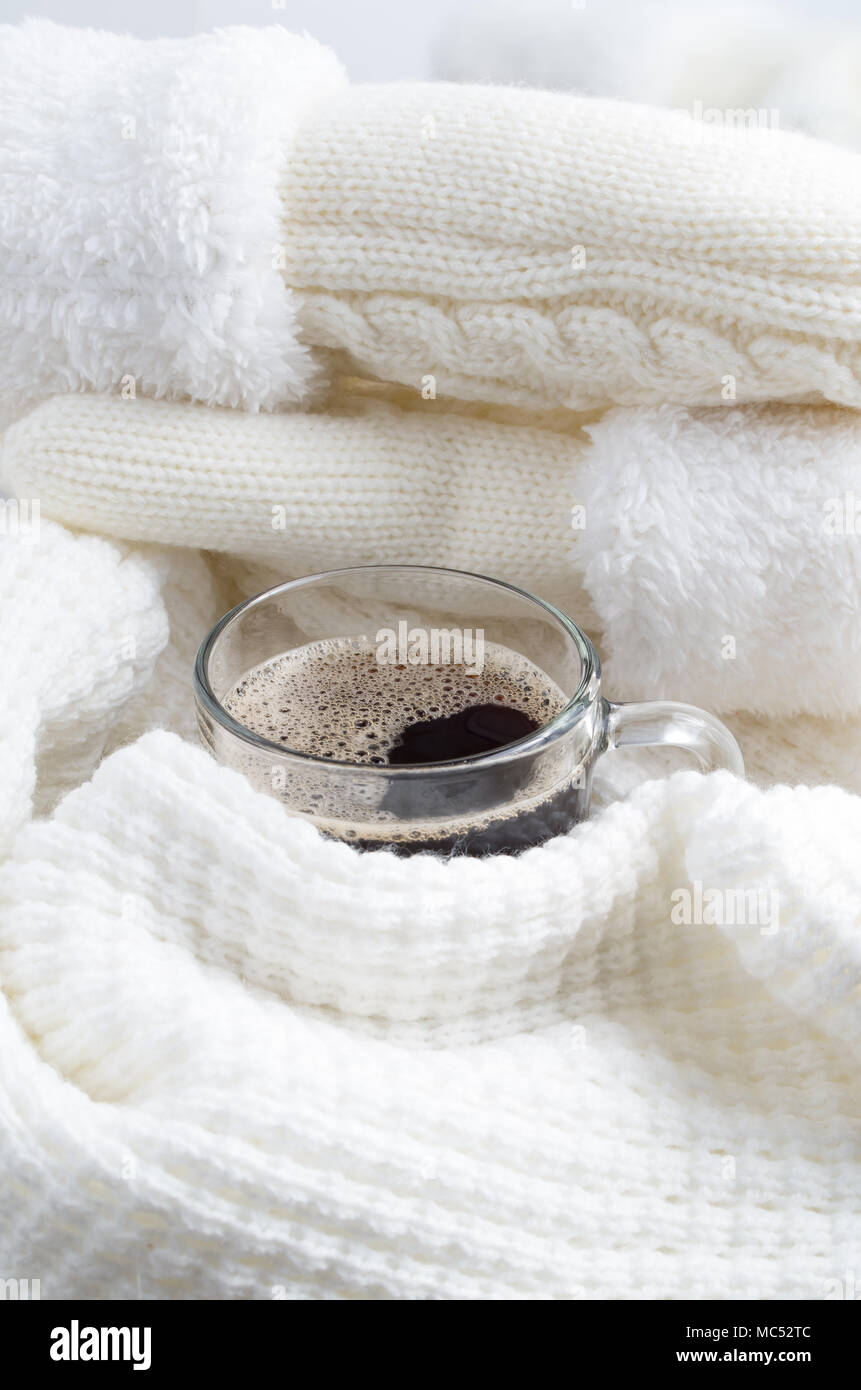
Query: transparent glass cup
500,801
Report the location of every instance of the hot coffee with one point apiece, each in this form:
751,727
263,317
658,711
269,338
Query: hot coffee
426,738
337,700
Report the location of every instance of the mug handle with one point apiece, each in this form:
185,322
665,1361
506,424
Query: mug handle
657,723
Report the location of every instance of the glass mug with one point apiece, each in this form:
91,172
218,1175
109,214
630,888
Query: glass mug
500,801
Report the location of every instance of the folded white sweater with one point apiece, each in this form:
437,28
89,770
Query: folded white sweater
485,243
714,552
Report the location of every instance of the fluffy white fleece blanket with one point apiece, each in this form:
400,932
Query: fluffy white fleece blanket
228,205
237,1060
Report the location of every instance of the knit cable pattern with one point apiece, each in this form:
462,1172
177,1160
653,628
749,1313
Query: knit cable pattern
548,249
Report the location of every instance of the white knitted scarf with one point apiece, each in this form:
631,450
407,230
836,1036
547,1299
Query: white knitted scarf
240,1061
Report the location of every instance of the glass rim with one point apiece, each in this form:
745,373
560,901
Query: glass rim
510,752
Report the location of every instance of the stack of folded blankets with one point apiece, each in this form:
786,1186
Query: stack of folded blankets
257,322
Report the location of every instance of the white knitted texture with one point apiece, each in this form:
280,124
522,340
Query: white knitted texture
804,749
238,1060
194,598
430,232
699,526
82,627
524,1082
426,231
306,492
139,232
504,1079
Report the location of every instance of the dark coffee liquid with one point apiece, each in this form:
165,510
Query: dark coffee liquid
508,833
476,729
334,700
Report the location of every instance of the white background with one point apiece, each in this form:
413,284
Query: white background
377,40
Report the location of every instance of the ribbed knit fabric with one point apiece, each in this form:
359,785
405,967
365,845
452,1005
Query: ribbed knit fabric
525,246
82,625
304,492
714,553
486,243
508,1079
501,1079
803,749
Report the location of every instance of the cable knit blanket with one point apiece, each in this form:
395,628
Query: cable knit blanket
238,1060
499,244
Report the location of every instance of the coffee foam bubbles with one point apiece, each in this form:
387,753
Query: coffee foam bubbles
334,699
